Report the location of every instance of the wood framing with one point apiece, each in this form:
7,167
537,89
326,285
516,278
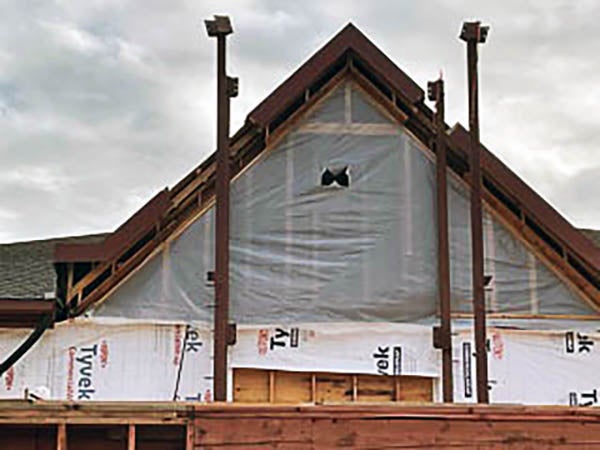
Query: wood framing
277,386
170,426
131,436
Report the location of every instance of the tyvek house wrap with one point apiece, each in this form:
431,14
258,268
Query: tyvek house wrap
304,252
116,359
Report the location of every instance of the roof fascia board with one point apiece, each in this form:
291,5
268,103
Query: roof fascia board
24,313
133,229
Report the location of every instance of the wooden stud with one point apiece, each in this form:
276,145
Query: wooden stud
384,104
271,386
544,252
70,271
131,437
316,99
528,316
190,433
313,387
396,388
61,436
347,103
354,388
362,129
533,294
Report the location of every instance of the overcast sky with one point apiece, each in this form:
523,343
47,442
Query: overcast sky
103,103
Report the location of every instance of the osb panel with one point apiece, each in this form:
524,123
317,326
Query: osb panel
250,386
293,387
415,389
333,388
264,386
375,388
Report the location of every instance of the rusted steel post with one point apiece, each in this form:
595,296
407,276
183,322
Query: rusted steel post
443,334
473,34
220,27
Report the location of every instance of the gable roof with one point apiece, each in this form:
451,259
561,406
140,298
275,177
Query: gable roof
570,251
349,39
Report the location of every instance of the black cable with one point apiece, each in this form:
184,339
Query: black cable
180,368
42,325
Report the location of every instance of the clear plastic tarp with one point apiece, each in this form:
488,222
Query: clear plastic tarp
337,223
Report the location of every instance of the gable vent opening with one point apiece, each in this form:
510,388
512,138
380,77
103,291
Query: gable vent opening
332,177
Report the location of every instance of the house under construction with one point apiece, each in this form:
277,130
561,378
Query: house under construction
334,290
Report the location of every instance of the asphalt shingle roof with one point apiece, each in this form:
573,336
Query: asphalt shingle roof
26,269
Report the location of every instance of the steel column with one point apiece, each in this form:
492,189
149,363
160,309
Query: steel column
444,333
220,27
473,33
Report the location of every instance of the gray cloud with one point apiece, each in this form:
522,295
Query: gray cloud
102,103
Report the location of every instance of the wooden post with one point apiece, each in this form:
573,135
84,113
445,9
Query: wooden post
131,437
61,436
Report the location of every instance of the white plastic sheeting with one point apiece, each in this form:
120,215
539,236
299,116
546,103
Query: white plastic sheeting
90,360
304,252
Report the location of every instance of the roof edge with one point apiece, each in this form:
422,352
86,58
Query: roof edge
134,228
349,38
562,230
